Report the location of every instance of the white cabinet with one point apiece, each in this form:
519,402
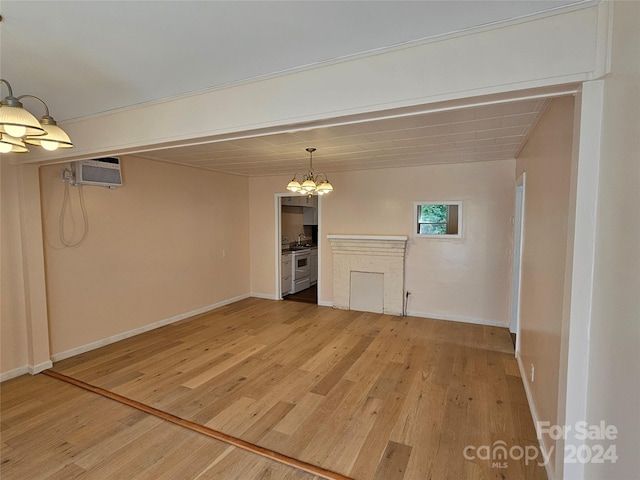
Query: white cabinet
285,274
300,201
313,264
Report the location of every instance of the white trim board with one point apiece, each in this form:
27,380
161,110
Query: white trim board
30,369
16,372
265,296
136,331
41,367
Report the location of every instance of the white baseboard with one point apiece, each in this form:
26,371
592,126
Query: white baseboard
41,367
30,369
457,318
16,372
534,416
121,336
324,303
265,296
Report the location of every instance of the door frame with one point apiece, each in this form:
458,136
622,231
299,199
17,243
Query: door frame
518,243
278,240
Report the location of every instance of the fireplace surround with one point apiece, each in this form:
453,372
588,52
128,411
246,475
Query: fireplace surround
375,254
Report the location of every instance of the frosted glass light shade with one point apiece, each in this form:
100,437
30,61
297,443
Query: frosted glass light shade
309,186
294,186
11,144
54,138
17,122
325,188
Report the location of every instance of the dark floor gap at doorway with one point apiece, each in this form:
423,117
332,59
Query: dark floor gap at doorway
308,295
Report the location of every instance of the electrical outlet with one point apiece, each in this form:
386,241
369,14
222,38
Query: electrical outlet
67,175
533,372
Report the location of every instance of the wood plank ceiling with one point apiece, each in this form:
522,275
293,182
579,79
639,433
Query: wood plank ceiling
471,134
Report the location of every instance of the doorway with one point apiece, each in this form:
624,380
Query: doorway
518,228
297,232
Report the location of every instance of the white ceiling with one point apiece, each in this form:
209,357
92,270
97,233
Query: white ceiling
88,57
488,132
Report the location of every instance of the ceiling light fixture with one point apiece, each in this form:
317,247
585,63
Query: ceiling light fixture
18,126
310,184
11,144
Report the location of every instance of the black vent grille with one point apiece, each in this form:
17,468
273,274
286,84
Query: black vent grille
101,175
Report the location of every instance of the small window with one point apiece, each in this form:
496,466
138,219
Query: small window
438,219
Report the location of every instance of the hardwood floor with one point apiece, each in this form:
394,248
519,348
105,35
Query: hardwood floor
366,395
54,431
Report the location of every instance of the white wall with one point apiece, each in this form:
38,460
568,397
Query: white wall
13,326
546,159
292,222
613,393
172,240
24,321
461,279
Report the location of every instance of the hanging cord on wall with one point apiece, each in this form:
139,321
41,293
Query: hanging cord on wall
405,300
67,178
406,303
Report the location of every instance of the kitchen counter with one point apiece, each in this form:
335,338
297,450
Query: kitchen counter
296,248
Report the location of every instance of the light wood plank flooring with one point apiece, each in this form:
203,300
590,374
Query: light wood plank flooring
369,396
55,431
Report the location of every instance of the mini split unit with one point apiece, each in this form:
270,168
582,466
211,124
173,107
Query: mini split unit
103,172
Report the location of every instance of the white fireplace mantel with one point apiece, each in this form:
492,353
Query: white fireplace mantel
392,238
377,254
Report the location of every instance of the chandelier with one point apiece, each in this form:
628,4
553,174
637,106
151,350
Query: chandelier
310,183
19,127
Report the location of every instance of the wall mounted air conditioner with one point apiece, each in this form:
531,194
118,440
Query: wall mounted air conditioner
104,172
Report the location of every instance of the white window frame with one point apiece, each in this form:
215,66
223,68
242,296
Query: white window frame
415,222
